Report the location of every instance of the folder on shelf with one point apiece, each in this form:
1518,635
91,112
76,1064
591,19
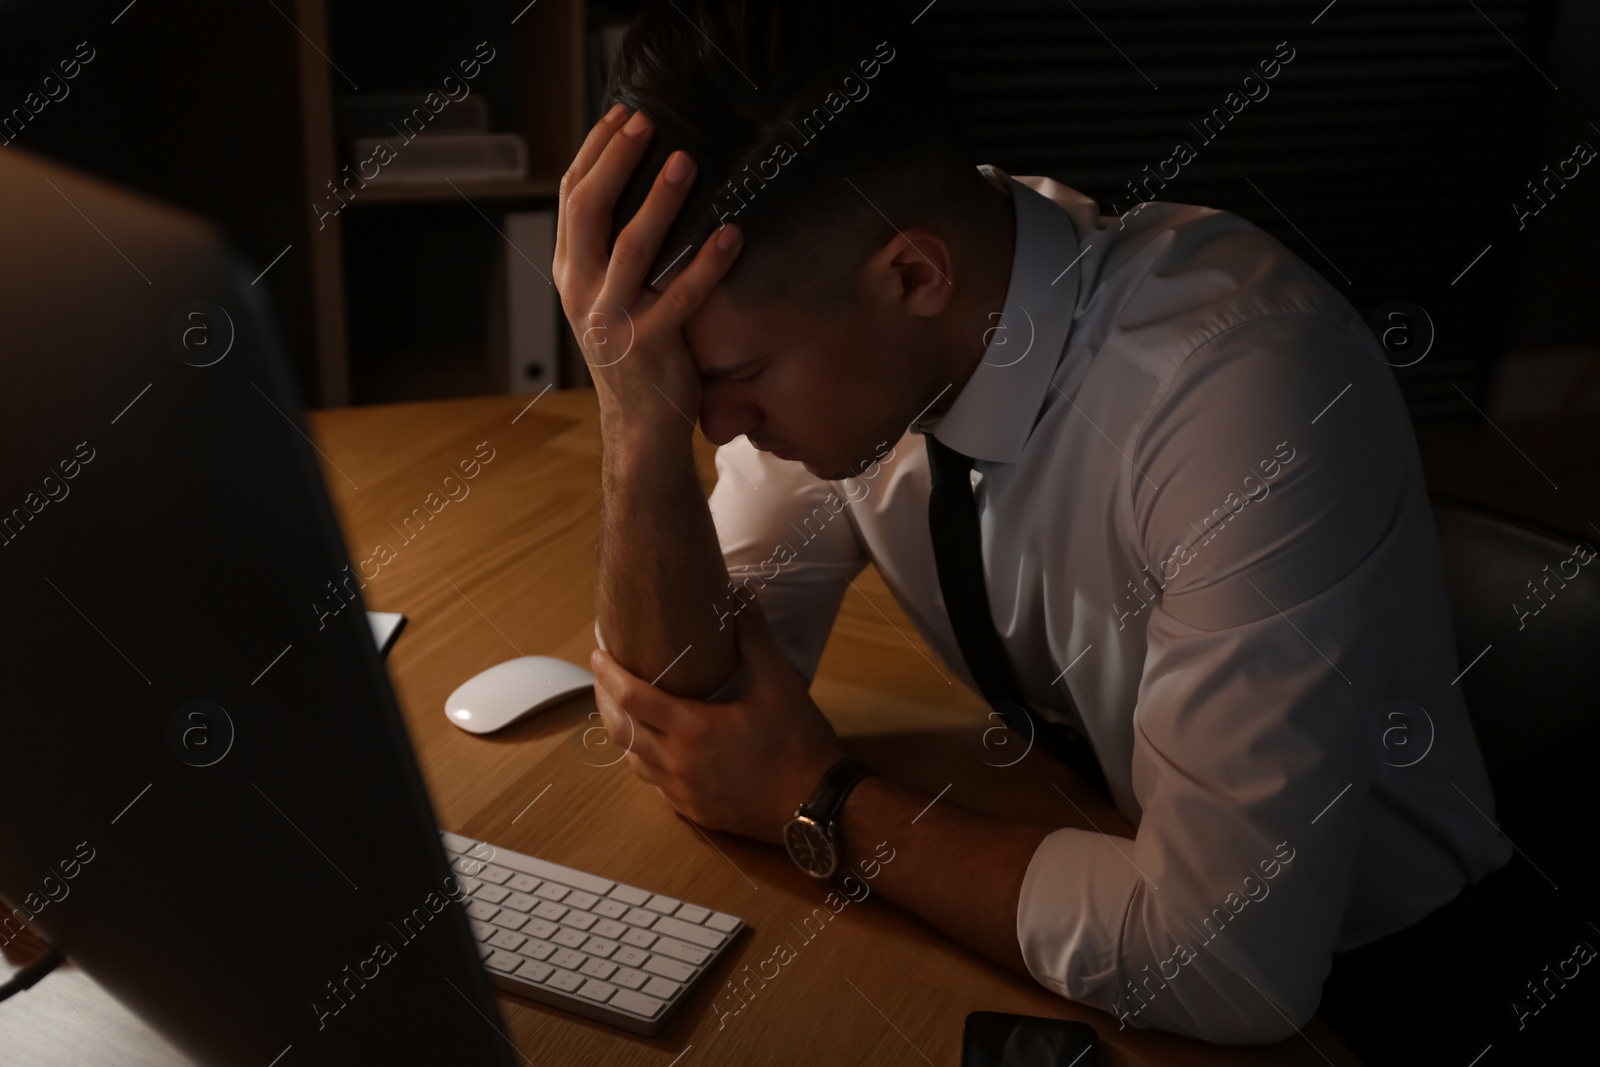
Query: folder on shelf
525,311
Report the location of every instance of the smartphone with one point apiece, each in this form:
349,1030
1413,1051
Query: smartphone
995,1039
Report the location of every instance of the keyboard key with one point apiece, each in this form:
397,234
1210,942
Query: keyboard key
569,937
630,895
505,962
467,866
639,938
666,968
599,946
497,875
507,940
535,949
554,872
568,960
680,950
630,978
698,935
597,991
631,957
457,843
637,1003
539,928
534,971
607,928
611,909
494,894
565,981
598,969
630,950
660,987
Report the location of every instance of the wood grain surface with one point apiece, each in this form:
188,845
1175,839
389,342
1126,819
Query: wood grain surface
508,570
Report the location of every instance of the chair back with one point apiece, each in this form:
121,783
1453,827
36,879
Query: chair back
1530,595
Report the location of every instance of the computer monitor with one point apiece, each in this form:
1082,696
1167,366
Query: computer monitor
208,800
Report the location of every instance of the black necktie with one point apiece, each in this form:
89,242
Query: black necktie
958,555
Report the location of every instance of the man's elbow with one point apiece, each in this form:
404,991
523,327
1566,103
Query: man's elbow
1262,1029
1259,1018
1234,1010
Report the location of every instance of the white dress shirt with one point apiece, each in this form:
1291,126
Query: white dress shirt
1204,519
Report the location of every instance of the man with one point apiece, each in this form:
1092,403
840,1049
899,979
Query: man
1195,534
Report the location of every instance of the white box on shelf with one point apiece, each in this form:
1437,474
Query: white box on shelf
435,157
525,310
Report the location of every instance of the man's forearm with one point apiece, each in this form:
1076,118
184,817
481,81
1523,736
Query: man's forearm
660,567
955,870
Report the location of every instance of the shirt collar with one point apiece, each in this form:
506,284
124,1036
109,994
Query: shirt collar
995,412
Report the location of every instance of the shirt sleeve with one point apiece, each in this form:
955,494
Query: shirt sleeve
784,539
1295,607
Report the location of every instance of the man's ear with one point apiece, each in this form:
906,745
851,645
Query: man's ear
915,268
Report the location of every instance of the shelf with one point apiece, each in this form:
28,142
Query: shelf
426,192
390,324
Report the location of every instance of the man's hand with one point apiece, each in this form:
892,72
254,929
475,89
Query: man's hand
743,766
631,337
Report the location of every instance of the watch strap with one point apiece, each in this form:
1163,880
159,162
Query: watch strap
825,801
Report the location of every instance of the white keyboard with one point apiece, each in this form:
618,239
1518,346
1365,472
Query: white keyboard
607,951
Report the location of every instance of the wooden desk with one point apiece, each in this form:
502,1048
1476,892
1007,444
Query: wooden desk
509,570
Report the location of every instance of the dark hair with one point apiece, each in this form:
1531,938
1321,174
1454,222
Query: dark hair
784,105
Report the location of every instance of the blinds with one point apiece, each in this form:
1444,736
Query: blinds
1394,139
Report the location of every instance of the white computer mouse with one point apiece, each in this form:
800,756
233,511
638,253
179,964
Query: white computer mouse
512,690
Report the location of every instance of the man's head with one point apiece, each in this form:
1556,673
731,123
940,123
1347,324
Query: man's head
821,130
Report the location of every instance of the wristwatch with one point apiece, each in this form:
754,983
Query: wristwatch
812,836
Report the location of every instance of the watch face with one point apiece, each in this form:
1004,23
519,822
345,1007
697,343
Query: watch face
809,847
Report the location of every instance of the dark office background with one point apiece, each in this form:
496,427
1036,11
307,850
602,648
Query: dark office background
1388,155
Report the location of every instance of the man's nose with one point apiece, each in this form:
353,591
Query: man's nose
723,418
